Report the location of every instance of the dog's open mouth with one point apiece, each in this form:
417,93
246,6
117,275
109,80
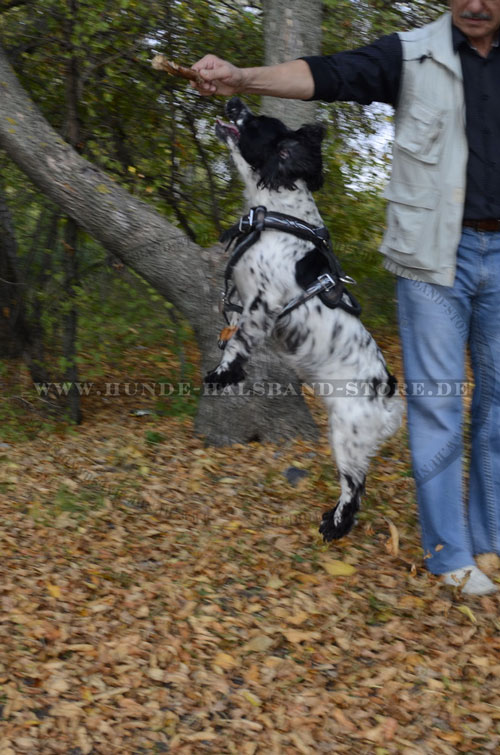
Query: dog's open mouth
225,130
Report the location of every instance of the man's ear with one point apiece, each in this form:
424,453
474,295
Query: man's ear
313,132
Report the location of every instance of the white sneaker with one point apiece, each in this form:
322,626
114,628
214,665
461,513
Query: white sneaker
471,580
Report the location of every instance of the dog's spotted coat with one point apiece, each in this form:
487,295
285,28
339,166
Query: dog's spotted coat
280,168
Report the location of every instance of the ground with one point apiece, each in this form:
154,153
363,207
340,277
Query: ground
158,596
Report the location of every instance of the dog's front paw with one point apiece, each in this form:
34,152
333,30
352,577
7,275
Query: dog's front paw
338,522
231,375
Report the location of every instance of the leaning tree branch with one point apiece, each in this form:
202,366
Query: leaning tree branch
5,6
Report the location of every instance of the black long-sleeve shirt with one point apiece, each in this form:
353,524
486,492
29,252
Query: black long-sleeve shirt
373,74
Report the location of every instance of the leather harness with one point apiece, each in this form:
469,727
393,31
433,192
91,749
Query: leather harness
329,286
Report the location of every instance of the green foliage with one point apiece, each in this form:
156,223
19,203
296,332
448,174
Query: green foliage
153,437
79,505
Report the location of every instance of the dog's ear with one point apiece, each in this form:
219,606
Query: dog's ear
299,156
312,132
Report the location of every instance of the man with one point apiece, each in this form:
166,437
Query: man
443,243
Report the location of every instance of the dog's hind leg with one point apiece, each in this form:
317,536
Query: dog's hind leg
352,455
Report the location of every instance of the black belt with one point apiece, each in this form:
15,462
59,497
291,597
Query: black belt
486,224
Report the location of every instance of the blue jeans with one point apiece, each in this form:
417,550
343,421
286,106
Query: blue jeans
437,323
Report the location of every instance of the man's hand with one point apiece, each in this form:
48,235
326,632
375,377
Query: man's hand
219,76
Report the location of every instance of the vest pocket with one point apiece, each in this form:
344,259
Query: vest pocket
420,133
410,221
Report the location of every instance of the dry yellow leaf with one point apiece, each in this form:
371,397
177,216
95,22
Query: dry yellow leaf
467,612
66,710
297,618
54,590
454,737
225,660
296,635
208,734
480,661
251,698
393,543
56,685
338,568
258,644
411,602
342,719
87,695
274,583
156,674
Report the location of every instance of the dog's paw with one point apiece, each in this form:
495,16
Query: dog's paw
338,522
231,375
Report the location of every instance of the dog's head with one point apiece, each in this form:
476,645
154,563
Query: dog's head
277,155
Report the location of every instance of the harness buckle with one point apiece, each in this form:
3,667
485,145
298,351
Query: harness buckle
326,282
246,219
255,217
222,302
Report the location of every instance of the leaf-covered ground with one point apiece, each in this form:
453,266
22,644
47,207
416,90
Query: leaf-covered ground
160,596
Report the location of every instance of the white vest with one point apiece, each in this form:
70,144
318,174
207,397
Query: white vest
427,187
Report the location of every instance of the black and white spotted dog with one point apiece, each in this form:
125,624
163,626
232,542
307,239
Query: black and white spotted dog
276,271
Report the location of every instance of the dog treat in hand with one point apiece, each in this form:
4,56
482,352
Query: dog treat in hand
160,63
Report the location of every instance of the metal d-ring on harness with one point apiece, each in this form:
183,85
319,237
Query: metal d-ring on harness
329,285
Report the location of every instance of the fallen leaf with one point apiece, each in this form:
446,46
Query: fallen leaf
54,590
297,636
258,644
251,698
338,568
467,612
342,719
225,660
275,583
156,674
393,542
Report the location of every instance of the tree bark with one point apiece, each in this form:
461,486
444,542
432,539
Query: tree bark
179,269
292,30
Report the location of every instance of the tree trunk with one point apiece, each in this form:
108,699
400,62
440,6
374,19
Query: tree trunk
14,333
292,30
18,336
187,275
70,318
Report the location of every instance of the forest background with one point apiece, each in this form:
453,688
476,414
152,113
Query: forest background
70,305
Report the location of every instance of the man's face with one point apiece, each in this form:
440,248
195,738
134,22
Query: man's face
476,18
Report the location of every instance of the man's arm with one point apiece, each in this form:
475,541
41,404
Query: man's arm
368,74
292,80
